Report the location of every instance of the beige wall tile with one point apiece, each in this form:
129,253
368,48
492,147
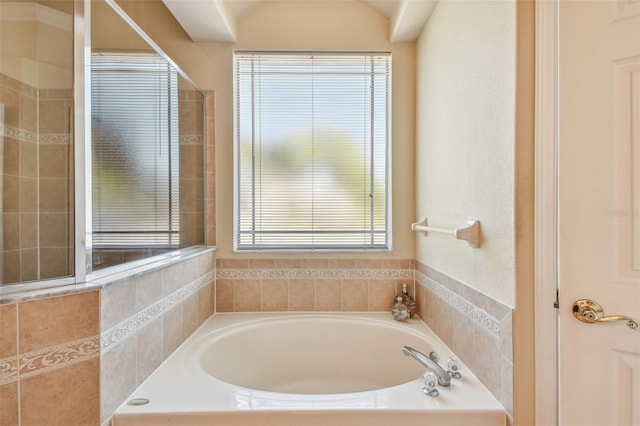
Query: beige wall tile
172,330
28,195
28,113
28,159
9,404
57,320
486,362
11,231
54,195
29,264
54,262
261,263
11,266
55,161
192,232
204,304
302,295
149,353
381,293
355,295
190,315
206,263
191,161
225,290
28,230
506,370
11,100
11,159
462,337
54,116
117,376
275,295
191,268
288,263
64,396
210,238
328,295
117,303
247,296
172,278
315,263
506,337
232,263
444,326
8,331
54,230
368,263
11,194
148,289
341,263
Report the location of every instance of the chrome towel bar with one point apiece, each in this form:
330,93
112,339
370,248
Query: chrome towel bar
470,233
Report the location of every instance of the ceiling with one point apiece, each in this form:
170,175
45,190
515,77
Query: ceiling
215,20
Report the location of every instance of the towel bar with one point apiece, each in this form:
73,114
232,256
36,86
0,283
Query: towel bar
470,233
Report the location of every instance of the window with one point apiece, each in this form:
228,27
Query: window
312,142
135,150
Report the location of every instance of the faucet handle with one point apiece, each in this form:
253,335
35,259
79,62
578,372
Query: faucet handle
453,364
430,381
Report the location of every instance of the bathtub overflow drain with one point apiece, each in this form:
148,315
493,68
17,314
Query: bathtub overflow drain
138,401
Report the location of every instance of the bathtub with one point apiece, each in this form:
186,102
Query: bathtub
308,369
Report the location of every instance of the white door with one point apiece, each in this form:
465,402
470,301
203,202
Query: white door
599,209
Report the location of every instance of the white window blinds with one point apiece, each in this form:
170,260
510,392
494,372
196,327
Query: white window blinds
312,143
135,151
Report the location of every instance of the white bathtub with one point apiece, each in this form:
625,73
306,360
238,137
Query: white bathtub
306,369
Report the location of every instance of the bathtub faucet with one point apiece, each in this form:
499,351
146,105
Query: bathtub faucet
443,377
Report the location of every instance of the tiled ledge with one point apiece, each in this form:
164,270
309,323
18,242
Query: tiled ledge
23,292
127,328
476,327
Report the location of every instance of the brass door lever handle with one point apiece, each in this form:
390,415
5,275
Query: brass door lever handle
589,311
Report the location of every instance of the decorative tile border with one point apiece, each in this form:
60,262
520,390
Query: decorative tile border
20,134
51,358
8,370
120,332
192,140
479,316
324,274
56,139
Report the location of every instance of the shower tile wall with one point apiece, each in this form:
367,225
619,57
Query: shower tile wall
210,169
477,328
254,285
191,167
36,182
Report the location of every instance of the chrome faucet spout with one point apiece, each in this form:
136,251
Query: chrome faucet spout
443,376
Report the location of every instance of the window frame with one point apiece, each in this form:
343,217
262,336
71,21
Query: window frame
388,247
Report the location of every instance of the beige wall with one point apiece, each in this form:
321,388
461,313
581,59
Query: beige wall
465,141
294,25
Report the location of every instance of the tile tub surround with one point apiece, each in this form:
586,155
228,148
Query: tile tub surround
263,285
476,327
145,318
49,361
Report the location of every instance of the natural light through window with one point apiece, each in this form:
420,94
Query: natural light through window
312,142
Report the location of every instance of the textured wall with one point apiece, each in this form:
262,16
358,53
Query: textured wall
465,141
